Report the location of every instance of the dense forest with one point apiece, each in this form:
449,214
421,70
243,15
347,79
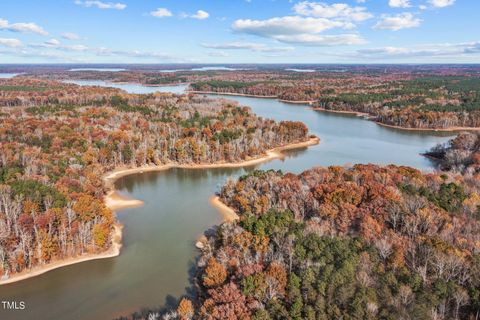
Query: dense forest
365,242
461,154
56,141
409,97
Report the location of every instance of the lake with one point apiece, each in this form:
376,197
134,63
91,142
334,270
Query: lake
98,69
159,254
8,75
131,87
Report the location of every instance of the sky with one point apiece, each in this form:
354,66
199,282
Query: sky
239,31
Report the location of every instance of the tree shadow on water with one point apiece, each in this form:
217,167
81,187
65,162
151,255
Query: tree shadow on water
170,304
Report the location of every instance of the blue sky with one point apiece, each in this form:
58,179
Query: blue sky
240,31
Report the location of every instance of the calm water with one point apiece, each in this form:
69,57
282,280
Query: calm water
8,75
216,68
301,70
130,87
159,253
98,69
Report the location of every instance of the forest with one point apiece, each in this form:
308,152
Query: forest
461,154
417,97
364,242
57,140
433,102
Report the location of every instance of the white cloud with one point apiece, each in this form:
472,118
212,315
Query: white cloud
299,30
218,54
334,11
24,27
161,13
9,42
311,19
290,25
101,5
473,47
55,44
154,56
257,47
323,40
441,3
397,22
444,50
52,42
384,52
42,55
200,15
70,36
399,3
55,50
75,47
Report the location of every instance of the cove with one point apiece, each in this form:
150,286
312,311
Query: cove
159,253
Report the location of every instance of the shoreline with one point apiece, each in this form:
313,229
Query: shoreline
368,117
228,214
166,85
354,113
114,201
230,94
151,85
449,129
307,102
113,251
364,115
111,177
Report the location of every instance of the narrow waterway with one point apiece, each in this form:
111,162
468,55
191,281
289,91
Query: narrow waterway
158,254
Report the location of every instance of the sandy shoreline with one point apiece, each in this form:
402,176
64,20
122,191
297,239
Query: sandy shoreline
113,251
114,201
271,154
228,214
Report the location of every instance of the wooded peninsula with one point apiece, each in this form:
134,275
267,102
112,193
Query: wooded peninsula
58,140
